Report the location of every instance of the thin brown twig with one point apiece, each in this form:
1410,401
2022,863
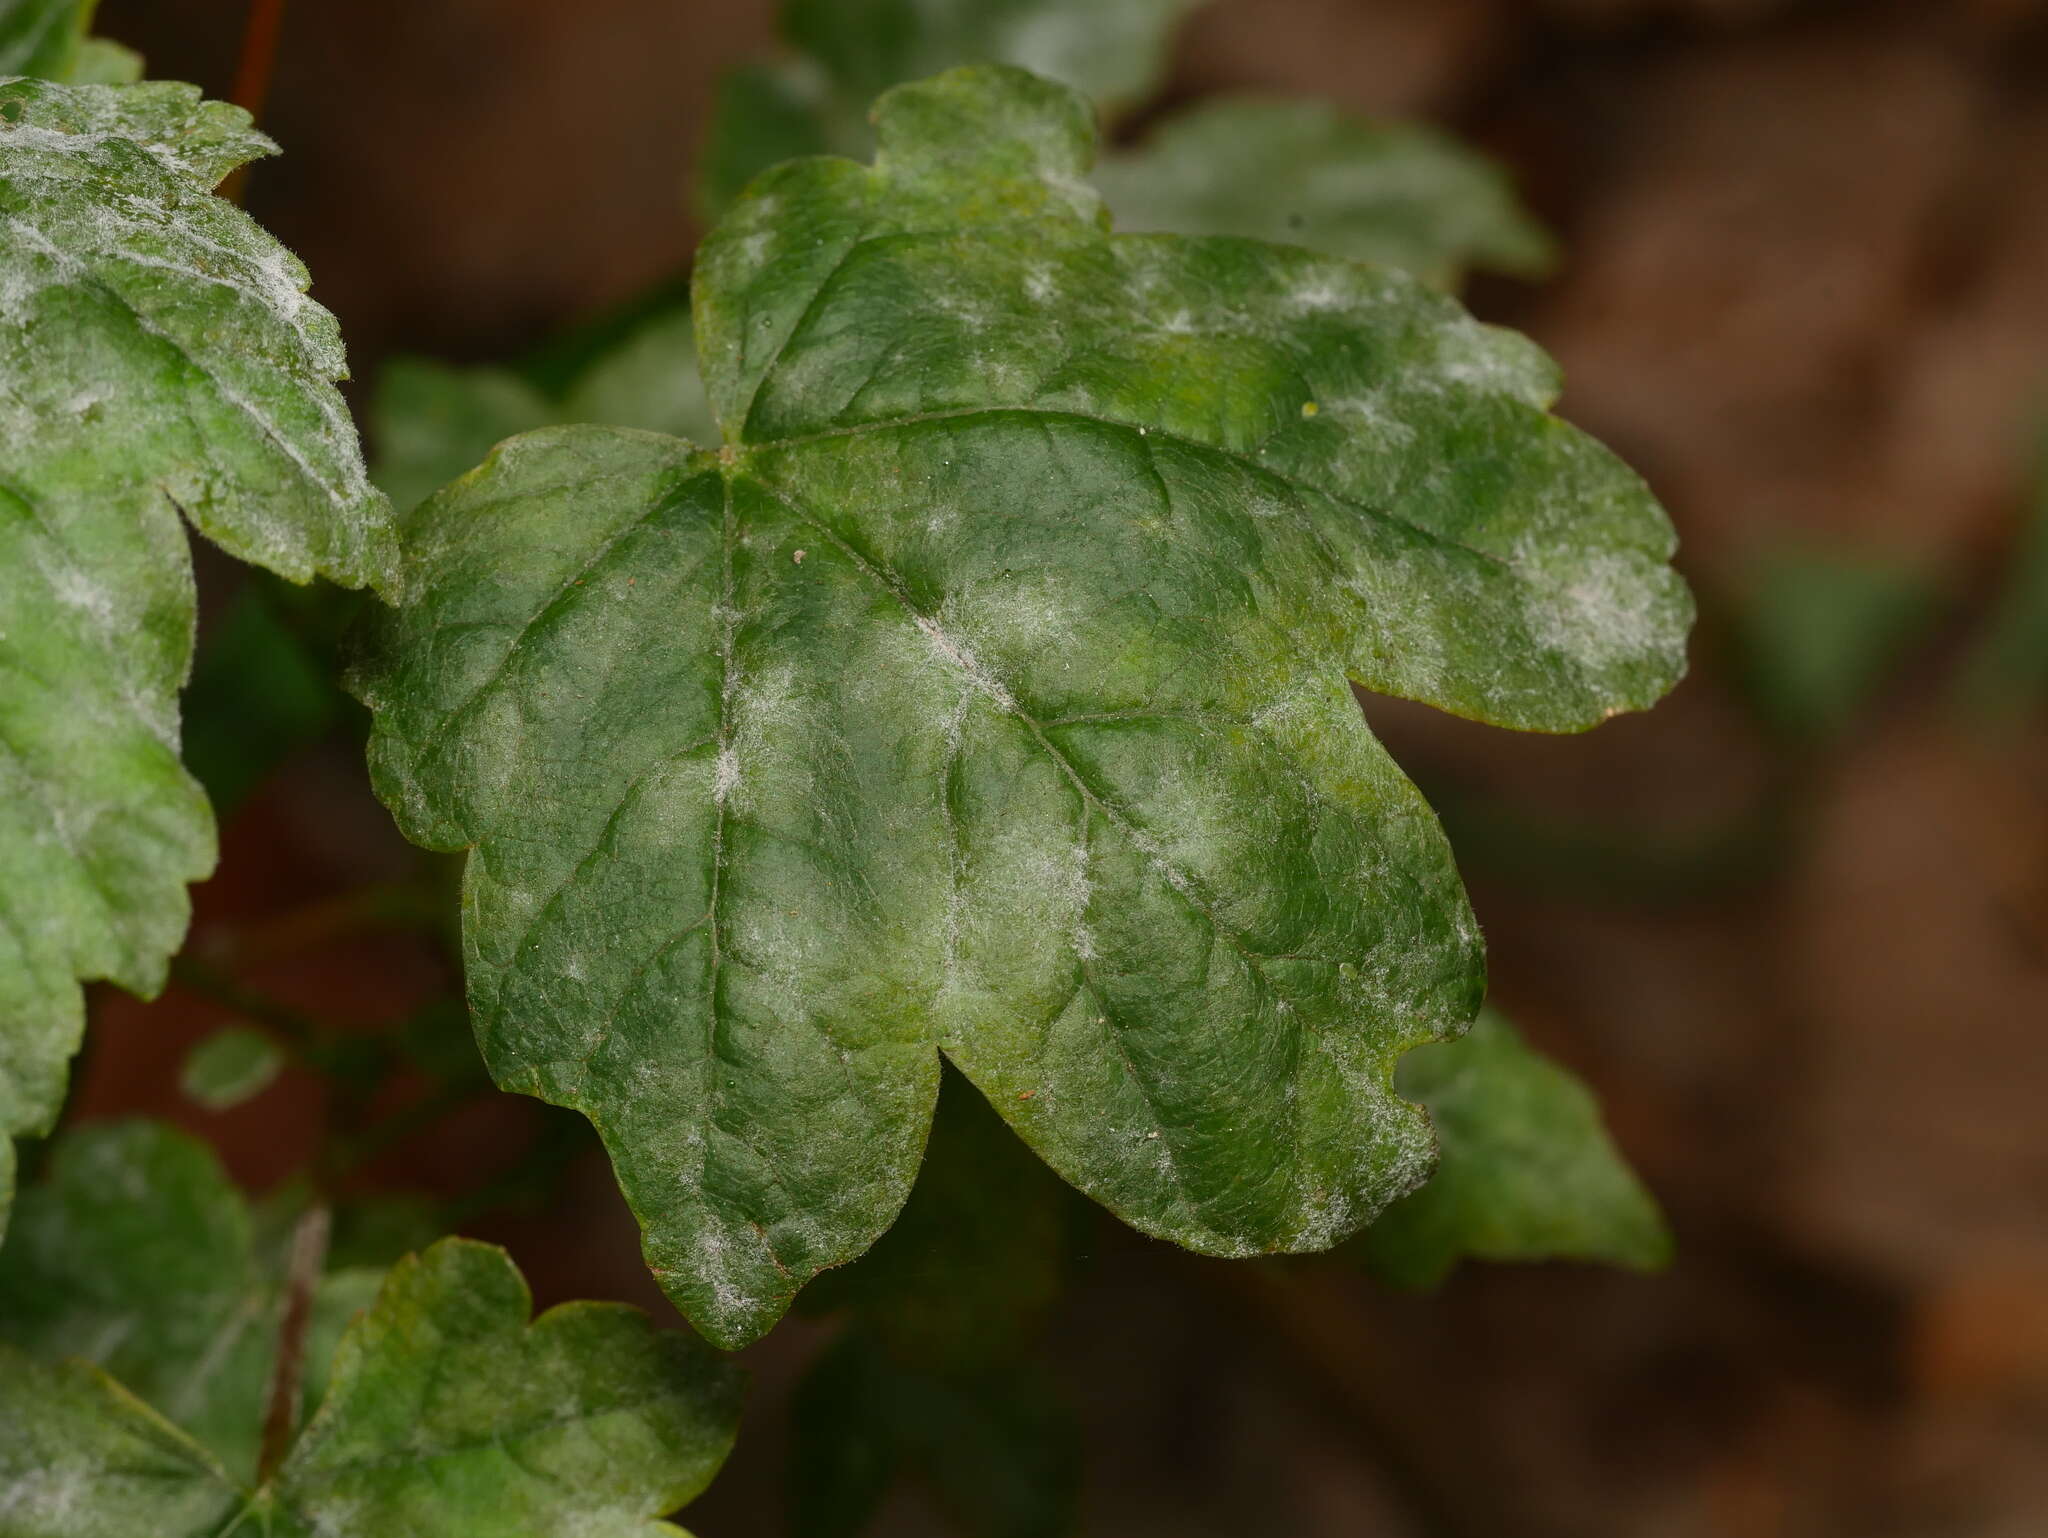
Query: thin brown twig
253,72
302,1278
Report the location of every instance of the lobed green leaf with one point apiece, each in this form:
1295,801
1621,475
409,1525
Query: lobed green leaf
988,693
158,358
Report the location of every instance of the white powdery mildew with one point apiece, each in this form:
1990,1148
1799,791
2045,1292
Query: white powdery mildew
957,653
1608,610
729,1299
728,773
62,172
1316,298
1491,361
756,705
1367,416
44,1500
1040,283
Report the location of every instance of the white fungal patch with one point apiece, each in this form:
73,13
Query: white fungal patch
1611,609
1315,298
727,777
956,652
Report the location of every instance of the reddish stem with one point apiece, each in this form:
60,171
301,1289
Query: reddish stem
302,1279
253,73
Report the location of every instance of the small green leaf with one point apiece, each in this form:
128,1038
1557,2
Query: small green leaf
232,1065
1000,1451
647,379
448,1413
1305,173
101,61
433,421
763,115
158,357
1820,631
988,693
1526,1170
138,1254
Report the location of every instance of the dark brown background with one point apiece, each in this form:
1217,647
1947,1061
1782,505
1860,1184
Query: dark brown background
1806,292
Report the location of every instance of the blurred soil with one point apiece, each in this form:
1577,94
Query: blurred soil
1806,292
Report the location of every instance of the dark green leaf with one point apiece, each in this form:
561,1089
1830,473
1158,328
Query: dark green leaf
1527,1171
977,1254
1305,173
258,692
987,693
158,357
1000,1451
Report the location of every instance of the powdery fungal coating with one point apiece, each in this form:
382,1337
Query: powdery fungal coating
158,358
1044,756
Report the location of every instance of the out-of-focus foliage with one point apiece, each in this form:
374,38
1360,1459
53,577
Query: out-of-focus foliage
847,52
2006,672
234,1064
1525,1171
431,422
1820,633
139,1255
432,1406
1306,173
